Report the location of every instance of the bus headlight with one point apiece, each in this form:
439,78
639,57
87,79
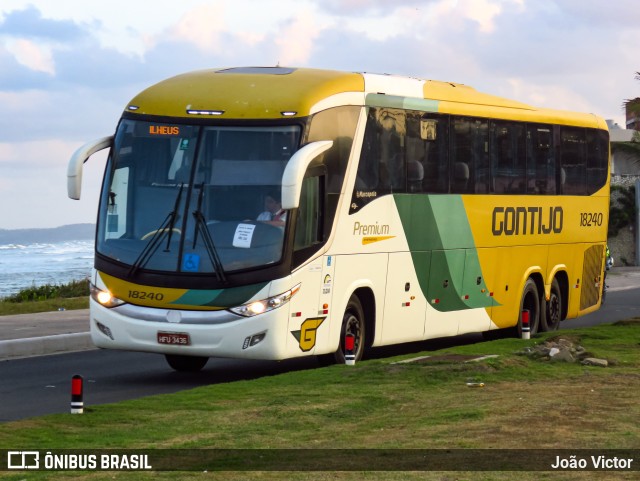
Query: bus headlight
258,307
104,298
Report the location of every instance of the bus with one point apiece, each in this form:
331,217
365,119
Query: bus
408,209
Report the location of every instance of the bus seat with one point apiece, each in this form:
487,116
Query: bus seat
460,177
415,174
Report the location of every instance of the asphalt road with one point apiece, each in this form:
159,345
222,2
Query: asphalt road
41,385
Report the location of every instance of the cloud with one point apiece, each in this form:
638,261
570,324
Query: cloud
31,55
16,76
29,23
202,27
296,40
369,7
42,155
75,115
33,184
621,14
480,11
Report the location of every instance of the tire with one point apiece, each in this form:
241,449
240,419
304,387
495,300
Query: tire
531,302
551,310
352,323
186,363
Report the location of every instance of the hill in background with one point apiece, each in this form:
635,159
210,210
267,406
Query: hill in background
55,234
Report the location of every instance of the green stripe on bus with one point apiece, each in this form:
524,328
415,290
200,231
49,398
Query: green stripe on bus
232,297
398,102
443,251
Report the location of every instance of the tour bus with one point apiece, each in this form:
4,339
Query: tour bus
271,212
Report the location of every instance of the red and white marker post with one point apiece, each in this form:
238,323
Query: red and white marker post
349,346
77,394
526,328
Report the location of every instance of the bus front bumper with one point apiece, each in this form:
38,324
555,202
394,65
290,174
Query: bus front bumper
208,334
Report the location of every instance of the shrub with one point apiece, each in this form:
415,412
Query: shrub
51,291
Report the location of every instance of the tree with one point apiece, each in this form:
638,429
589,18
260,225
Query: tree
622,211
633,105
632,147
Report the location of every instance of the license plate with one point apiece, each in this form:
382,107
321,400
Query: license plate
174,338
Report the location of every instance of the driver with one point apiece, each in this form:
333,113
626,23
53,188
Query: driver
274,214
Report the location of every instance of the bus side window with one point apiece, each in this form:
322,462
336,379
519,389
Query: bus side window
470,156
382,166
572,161
597,159
391,138
368,168
427,149
541,162
508,157
309,231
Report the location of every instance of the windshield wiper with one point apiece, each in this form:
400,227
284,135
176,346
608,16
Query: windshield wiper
153,244
202,229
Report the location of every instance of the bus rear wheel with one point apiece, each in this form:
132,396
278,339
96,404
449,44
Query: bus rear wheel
530,302
551,313
186,363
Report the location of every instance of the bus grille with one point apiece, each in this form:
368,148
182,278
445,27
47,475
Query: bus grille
591,273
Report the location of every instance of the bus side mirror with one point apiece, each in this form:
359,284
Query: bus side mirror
295,170
80,156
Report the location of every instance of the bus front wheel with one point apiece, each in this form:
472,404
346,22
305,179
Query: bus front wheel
352,323
530,302
186,363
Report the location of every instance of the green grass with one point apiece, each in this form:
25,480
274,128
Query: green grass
49,297
379,404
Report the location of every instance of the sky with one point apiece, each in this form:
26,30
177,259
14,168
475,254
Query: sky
69,67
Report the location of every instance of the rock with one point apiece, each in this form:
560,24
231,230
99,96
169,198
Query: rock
594,361
541,352
563,355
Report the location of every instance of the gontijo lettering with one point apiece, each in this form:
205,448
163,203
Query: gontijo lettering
526,220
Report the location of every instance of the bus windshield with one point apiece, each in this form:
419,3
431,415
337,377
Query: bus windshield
195,199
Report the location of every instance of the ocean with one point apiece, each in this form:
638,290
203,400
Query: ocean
37,264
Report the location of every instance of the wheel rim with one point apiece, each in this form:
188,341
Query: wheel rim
352,327
554,309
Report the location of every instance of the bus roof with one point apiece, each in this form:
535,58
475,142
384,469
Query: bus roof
280,92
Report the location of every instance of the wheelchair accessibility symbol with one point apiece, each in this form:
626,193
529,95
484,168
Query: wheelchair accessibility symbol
191,263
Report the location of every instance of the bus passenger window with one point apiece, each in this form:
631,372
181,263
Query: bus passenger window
508,157
382,167
392,130
337,124
597,159
470,154
427,153
541,163
572,161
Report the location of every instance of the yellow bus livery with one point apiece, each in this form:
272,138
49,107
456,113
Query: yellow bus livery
270,212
